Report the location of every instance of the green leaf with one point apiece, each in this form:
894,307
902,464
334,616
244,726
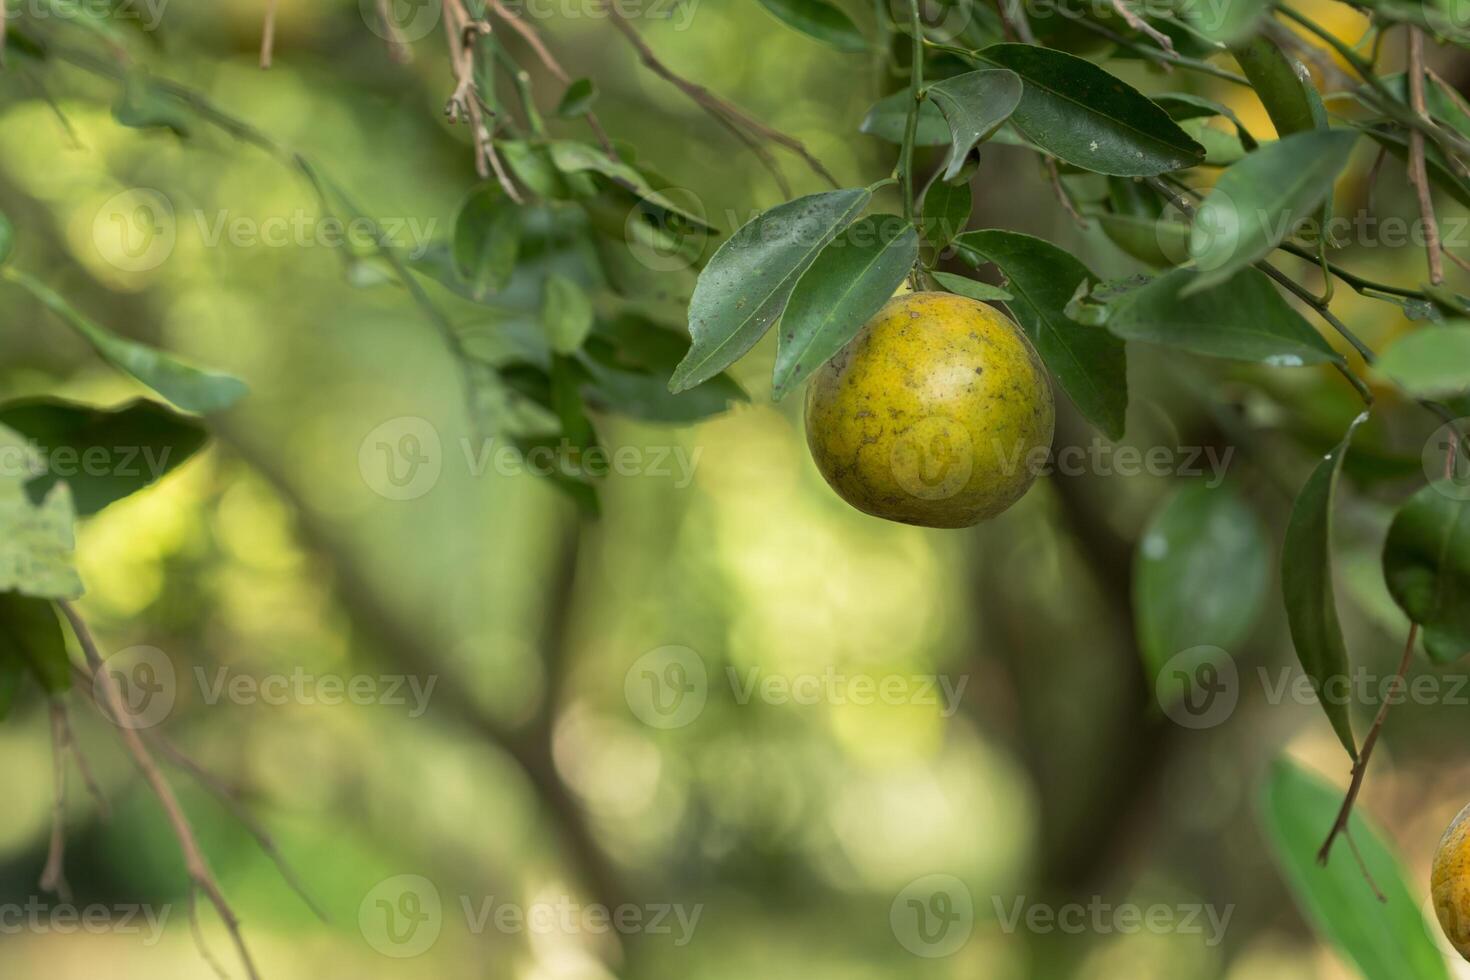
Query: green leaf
1278,82
1227,22
844,288
487,240
31,633
36,539
965,286
1183,105
7,237
1089,118
1156,242
1200,575
946,210
571,157
1258,202
103,455
1426,562
566,314
974,104
12,672
1386,940
578,99
749,280
1089,362
1244,319
888,118
1432,362
140,106
821,20
190,388
629,360
1306,585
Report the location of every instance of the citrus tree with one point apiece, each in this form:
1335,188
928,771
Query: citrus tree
632,301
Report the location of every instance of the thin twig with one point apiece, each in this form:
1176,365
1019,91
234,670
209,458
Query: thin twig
465,103
1061,191
53,876
1347,834
1463,264
533,39
195,863
1360,767
1417,175
1144,27
711,103
268,34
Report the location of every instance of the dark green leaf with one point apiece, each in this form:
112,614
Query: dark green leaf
140,106
889,116
190,388
31,633
964,286
1155,241
1387,940
629,360
487,240
1432,362
1089,362
7,237
1258,202
571,157
12,672
1426,562
946,209
974,104
566,314
844,288
1182,105
1278,81
821,20
102,455
36,539
1227,22
1306,585
1082,114
1245,319
1200,575
578,99
749,280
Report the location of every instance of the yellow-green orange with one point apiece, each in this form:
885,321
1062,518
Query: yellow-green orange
1449,883
938,413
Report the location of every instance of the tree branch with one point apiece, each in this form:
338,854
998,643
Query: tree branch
1417,175
201,877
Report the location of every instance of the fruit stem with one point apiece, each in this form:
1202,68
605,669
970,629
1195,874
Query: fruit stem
916,98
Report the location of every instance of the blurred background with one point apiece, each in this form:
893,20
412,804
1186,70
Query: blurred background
559,710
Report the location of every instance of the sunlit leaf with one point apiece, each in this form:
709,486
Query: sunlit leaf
821,20
36,539
1386,940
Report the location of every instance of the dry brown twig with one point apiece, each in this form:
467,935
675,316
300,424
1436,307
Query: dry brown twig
268,34
533,40
201,877
53,876
724,111
1417,174
464,104
1144,27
